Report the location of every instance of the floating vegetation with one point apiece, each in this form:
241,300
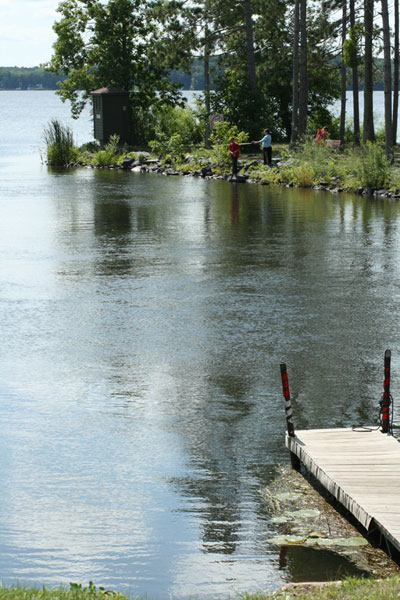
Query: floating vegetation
304,519
317,540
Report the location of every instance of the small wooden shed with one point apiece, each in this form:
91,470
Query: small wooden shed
111,115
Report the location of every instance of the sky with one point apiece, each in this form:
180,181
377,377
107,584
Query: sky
26,34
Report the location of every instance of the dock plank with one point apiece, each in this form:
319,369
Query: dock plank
359,467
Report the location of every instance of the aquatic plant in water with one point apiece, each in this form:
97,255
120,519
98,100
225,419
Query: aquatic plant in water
59,142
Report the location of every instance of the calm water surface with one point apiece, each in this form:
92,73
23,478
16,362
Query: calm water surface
143,321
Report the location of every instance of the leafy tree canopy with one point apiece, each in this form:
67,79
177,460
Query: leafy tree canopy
270,105
132,44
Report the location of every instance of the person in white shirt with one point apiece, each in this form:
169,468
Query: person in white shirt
266,147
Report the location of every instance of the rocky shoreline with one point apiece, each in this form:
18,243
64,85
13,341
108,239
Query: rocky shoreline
146,164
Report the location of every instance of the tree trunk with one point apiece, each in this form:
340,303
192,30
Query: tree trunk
343,76
207,85
251,68
396,70
368,125
303,92
356,108
387,78
295,84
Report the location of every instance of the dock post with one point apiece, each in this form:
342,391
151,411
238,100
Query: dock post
386,399
289,414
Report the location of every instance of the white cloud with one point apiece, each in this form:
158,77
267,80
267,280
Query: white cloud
26,34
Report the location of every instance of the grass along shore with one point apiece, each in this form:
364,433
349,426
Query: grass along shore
349,589
360,170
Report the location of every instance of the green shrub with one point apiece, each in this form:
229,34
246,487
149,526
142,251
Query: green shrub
374,167
177,128
59,142
320,156
173,120
90,147
380,134
109,155
304,174
172,148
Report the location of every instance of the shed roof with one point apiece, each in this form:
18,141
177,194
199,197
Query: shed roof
110,90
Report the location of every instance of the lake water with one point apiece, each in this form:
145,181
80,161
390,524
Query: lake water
378,104
143,321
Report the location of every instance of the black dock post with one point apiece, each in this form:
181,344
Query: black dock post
386,399
289,414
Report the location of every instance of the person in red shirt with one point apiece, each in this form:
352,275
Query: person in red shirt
235,153
321,135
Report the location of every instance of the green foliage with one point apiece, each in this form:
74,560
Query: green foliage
349,589
59,142
130,44
177,128
297,172
110,155
372,167
269,105
76,591
91,592
180,120
249,110
395,178
351,46
90,147
384,588
366,166
304,175
321,157
380,134
172,148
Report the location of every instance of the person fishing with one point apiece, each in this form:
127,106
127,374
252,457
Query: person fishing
235,153
266,147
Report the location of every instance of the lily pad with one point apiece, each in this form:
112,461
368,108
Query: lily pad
287,540
351,541
288,496
280,519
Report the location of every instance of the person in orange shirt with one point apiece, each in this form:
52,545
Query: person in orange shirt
235,153
321,135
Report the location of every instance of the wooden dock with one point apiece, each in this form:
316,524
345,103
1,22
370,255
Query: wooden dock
360,468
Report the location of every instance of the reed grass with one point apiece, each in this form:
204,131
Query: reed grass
59,142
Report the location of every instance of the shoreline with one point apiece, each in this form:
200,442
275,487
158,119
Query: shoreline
380,588
147,164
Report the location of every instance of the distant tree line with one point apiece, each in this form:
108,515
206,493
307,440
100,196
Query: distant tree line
24,78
